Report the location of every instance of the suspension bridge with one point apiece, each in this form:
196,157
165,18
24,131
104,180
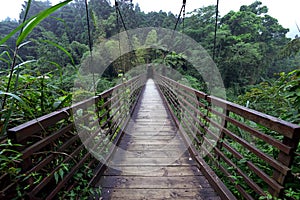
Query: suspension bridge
153,138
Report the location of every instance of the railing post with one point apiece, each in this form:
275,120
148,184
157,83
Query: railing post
196,116
133,95
107,108
128,96
287,160
98,108
27,163
224,126
121,103
207,107
177,100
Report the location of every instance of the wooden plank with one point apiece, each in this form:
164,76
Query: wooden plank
153,129
145,137
156,142
153,122
178,193
154,171
116,161
140,182
143,147
152,161
156,153
151,133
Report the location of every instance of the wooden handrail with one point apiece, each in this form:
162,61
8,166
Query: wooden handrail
230,137
57,141
224,138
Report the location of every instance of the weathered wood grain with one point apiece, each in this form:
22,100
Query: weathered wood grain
152,161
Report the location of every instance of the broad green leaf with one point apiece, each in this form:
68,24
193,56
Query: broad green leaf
61,173
13,95
33,22
61,102
19,100
56,177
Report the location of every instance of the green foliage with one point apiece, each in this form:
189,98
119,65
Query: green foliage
33,22
9,164
30,24
193,82
36,77
14,74
280,98
292,48
35,95
62,49
249,42
9,159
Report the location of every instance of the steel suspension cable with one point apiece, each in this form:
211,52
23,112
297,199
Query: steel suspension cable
121,17
216,28
118,13
118,26
183,17
123,23
90,43
181,10
214,49
88,23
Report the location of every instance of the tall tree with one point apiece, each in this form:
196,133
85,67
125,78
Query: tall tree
251,44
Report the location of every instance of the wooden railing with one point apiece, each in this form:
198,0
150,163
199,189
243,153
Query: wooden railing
59,150
236,147
250,152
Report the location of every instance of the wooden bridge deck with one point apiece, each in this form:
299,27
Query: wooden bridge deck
152,161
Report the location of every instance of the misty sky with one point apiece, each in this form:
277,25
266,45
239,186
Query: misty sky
287,12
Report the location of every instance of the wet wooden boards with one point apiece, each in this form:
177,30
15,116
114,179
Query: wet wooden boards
152,161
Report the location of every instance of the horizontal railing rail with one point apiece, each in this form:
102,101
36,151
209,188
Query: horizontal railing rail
62,148
251,152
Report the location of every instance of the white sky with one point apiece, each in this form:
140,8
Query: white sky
287,12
